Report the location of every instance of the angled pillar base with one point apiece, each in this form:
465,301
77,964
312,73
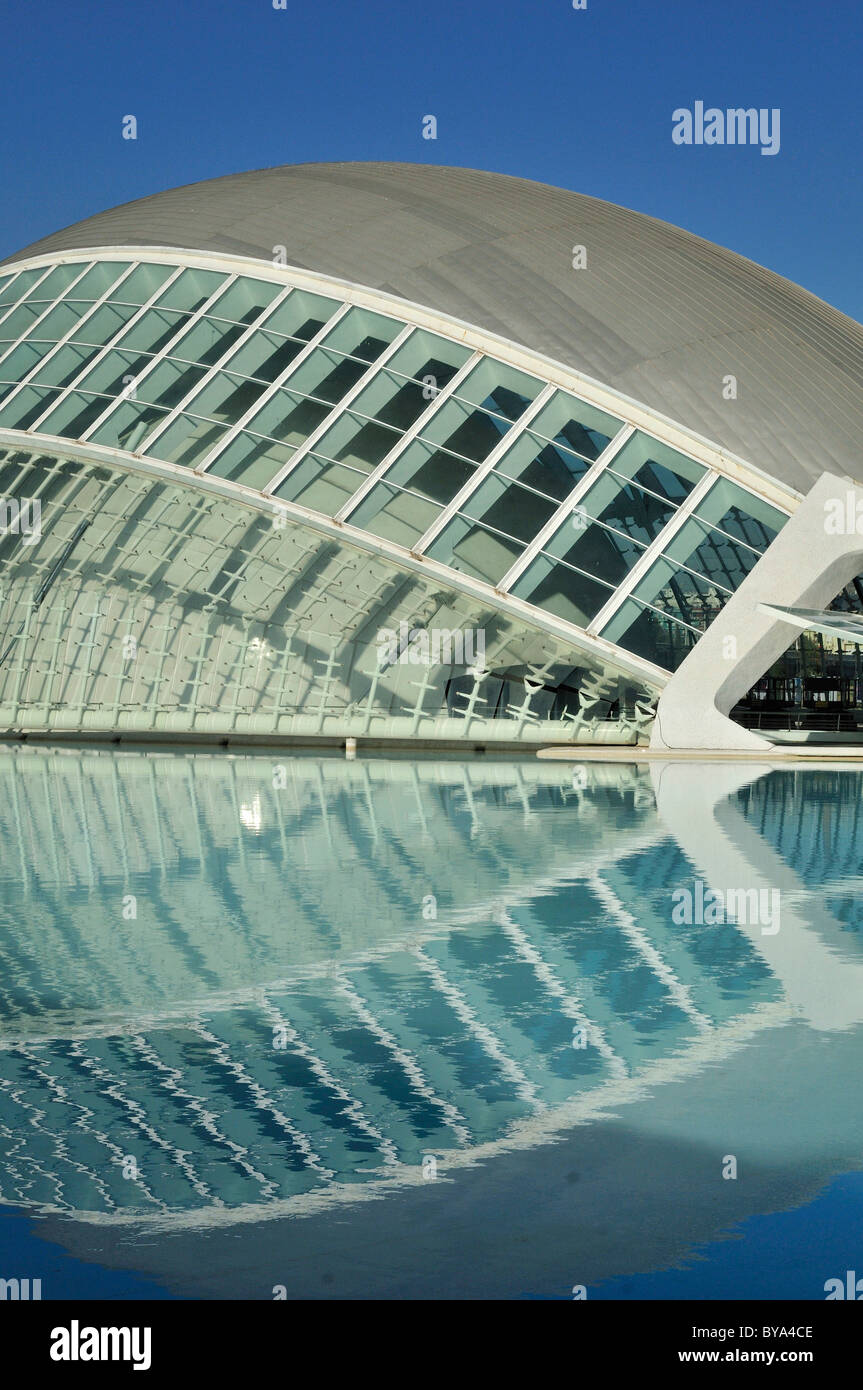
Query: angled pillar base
805,567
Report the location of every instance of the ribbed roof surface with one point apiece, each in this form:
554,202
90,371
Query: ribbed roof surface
659,314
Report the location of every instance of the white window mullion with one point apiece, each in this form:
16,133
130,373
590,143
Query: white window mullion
266,396
653,552
567,506
156,361
105,349
20,300
49,305
482,470
410,435
217,367
16,276
67,336
308,444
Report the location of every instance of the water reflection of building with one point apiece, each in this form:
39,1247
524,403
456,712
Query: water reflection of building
153,1037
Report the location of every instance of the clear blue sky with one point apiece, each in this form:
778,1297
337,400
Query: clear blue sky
529,87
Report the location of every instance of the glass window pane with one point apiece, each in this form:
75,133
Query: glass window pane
393,400
265,356
190,290
73,415
116,373
288,418
6,388
500,389
326,375
302,315
742,515
396,516
104,323
207,341
251,461
595,549
561,591
65,364
509,508
627,508
362,443
429,359
18,286
576,425
474,550
187,441
56,281
224,397
244,300
542,466
654,636
473,433
18,364
685,596
62,319
21,319
98,279
430,472
363,334
142,284
167,385
657,467
128,426
152,332
27,406
321,485
712,554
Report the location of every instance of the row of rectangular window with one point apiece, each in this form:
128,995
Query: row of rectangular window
625,511
599,550
476,431
501,391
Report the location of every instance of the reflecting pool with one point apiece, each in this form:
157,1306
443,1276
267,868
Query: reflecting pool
425,1028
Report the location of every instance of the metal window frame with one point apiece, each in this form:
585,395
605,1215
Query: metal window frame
645,562
309,443
105,348
213,371
482,470
267,395
156,359
35,285
595,470
409,436
50,305
593,392
68,336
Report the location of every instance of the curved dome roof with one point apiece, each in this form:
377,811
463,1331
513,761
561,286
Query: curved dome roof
659,314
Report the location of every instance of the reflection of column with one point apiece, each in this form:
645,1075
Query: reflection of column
805,567
808,955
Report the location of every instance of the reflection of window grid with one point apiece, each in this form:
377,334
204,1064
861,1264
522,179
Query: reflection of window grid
506,408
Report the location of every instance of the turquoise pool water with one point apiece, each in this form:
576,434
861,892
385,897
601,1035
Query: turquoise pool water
426,1028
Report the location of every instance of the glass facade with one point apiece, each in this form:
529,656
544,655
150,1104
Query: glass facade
146,605
389,428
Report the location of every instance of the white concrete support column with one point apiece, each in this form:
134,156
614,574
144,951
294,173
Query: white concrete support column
816,553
